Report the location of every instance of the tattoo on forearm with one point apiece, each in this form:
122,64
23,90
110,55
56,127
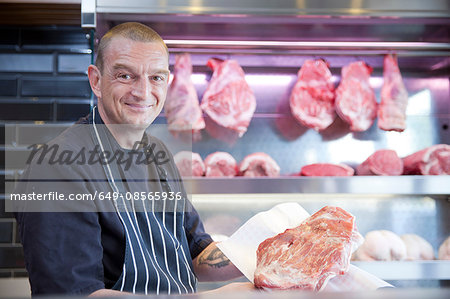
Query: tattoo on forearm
214,258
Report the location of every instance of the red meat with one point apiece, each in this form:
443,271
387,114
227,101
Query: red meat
355,99
189,164
312,99
228,100
382,162
182,109
259,164
220,164
307,256
327,169
433,160
394,97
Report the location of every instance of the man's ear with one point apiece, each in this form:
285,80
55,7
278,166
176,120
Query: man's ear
94,80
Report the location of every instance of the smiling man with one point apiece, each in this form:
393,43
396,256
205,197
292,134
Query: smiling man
130,79
119,245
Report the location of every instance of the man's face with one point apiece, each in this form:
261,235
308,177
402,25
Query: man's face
133,82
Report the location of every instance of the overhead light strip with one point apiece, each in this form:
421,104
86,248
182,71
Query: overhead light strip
314,44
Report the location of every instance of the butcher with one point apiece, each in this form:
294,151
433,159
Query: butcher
118,245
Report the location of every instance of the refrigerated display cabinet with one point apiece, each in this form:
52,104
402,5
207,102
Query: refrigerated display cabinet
271,40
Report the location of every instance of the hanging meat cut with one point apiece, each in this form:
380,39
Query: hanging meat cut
394,97
433,160
182,108
259,164
382,162
220,164
355,99
189,164
307,256
312,98
228,99
326,169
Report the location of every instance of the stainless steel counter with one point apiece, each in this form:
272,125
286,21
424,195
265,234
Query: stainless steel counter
419,185
379,294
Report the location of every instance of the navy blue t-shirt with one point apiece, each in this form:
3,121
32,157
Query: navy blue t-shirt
81,252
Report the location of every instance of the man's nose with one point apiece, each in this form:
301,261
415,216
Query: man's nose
142,89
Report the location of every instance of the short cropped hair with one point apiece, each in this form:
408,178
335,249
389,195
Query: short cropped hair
131,30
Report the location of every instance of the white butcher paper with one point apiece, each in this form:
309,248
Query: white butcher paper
241,247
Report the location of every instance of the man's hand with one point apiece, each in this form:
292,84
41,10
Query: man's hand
212,265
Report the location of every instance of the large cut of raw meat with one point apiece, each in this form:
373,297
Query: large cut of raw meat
228,99
381,245
417,248
312,98
382,162
182,109
189,164
433,160
326,169
307,256
394,97
220,164
355,99
259,164
444,250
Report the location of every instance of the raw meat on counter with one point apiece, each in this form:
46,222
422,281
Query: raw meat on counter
326,169
258,165
228,100
182,109
394,97
433,160
417,248
444,250
220,164
381,245
307,256
382,162
355,99
189,164
312,98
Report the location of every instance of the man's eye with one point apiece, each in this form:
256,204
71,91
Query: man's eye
158,78
124,76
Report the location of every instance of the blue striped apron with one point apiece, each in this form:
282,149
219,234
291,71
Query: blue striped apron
157,258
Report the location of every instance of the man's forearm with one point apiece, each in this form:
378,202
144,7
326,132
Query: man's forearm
212,265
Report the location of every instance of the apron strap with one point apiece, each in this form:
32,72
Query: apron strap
115,180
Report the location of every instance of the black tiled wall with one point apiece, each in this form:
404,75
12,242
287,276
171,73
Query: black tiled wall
43,82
